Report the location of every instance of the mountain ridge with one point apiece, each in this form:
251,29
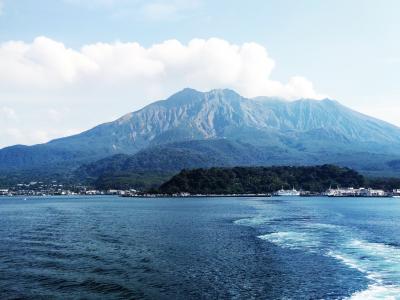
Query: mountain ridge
304,127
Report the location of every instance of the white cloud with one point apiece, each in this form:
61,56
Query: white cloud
46,64
55,88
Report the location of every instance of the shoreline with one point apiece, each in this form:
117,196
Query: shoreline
193,196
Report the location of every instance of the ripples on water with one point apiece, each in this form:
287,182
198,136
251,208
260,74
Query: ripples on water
349,236
114,248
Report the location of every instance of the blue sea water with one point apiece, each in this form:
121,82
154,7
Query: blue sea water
199,248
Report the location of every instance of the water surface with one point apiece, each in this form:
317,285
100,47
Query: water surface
191,248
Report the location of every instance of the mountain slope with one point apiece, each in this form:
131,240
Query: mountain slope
191,115
307,129
174,157
168,159
154,165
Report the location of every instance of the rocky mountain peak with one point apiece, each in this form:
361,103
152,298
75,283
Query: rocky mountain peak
307,125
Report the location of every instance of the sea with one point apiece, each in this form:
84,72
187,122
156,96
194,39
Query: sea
107,247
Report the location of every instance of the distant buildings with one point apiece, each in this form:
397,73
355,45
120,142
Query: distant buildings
56,189
352,192
4,192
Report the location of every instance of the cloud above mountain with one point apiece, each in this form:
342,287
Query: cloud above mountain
101,81
46,64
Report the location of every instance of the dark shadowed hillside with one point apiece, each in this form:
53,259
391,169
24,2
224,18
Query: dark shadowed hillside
241,180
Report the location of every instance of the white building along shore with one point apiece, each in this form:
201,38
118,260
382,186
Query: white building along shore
352,192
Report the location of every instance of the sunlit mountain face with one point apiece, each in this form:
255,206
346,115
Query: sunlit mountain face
258,131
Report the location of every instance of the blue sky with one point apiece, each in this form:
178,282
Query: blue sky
348,50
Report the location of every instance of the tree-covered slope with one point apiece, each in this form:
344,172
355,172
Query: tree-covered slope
163,161
184,155
240,180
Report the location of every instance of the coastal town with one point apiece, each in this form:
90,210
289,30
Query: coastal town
57,189
37,188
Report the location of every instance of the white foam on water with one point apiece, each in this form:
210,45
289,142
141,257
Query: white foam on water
352,263
377,292
380,263
292,240
253,221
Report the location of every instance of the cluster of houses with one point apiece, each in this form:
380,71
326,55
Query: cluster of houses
56,189
123,193
65,192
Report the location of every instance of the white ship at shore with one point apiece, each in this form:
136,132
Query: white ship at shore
292,192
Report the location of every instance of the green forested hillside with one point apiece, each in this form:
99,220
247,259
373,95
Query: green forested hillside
154,165
151,167
260,179
187,155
